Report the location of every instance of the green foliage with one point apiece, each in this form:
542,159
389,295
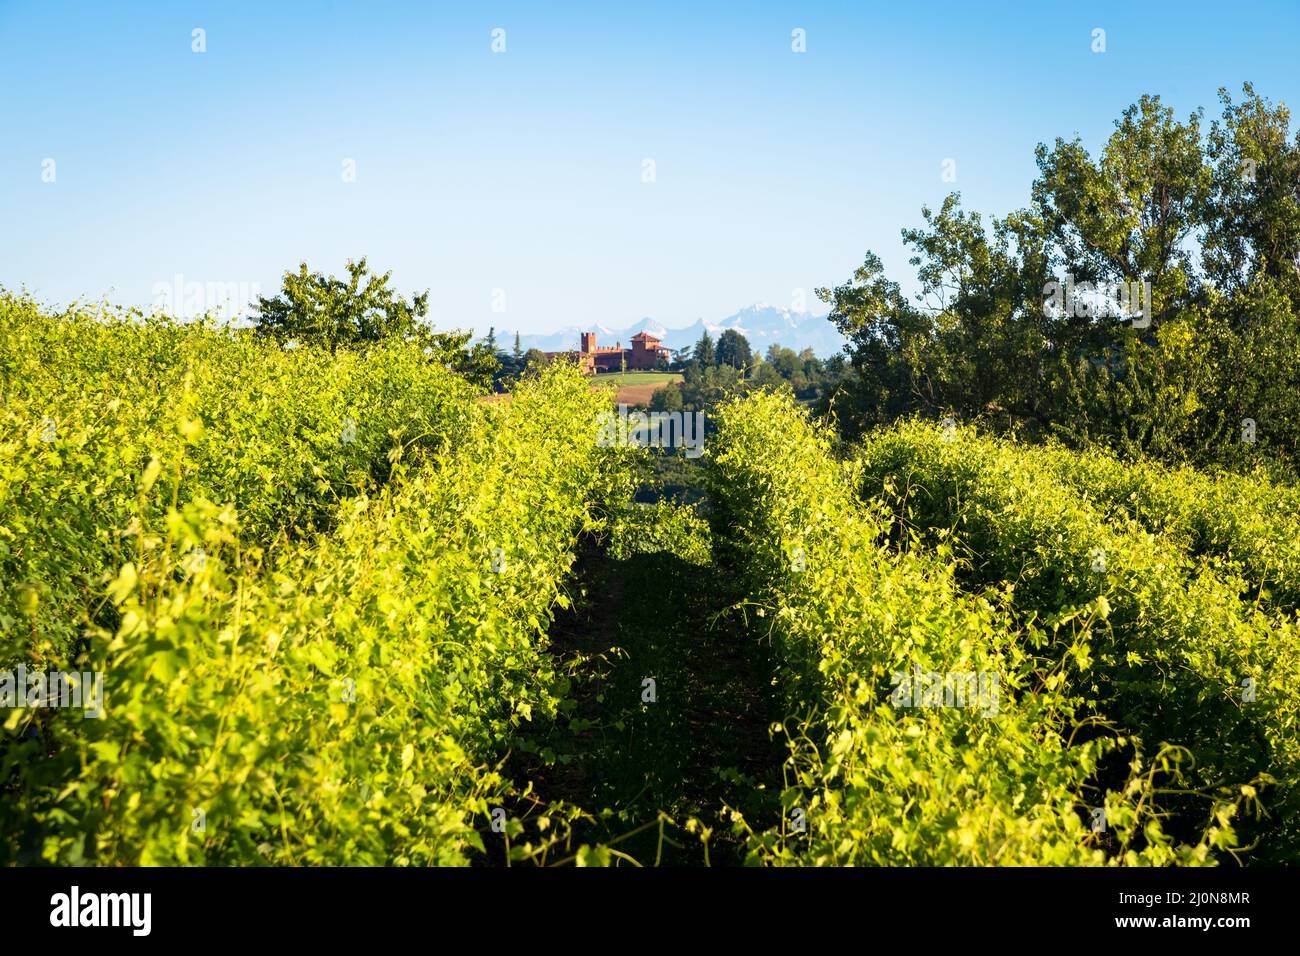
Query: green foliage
1253,229
1250,522
704,354
667,399
704,386
882,784
1209,218
810,377
1177,656
534,360
734,350
333,313
95,401
1130,212
663,526
319,586
347,701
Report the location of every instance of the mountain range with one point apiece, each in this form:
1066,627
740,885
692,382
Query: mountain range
762,324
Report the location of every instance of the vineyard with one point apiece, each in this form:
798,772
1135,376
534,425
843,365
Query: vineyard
347,614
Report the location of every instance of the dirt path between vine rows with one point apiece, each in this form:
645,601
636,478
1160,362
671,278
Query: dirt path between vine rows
635,754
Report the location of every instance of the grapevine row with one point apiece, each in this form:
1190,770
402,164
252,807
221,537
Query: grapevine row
1178,656
347,702
876,783
90,399
1252,522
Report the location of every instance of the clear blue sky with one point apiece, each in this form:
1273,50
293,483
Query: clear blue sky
522,171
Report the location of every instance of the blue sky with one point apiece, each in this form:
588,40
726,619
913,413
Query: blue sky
523,171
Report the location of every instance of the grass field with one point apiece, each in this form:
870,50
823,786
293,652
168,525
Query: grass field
635,388
638,378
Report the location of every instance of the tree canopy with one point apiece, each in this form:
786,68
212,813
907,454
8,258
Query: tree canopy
1179,243
733,350
334,313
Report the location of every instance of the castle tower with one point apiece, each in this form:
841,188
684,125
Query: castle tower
588,342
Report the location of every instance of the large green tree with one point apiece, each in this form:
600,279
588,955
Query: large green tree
1209,218
734,350
1129,214
703,354
333,313
1254,223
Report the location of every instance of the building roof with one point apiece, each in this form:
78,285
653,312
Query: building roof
645,337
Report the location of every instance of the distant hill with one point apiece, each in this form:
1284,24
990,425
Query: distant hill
762,324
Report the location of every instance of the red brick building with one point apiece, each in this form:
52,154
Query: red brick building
645,354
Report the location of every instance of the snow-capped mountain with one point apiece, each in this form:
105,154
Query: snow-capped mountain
762,324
